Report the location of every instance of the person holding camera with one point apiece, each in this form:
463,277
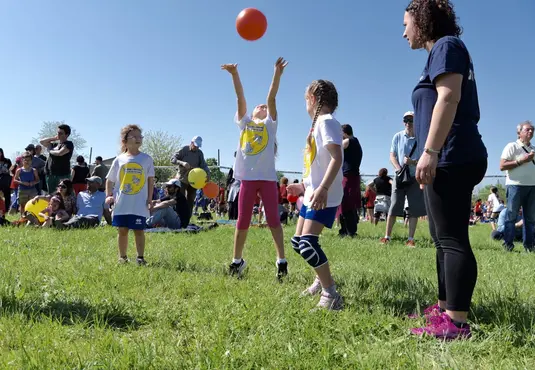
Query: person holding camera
404,156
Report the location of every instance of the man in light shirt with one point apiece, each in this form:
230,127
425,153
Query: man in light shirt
518,161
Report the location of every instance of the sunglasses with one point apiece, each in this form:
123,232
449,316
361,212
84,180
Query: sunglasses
28,157
408,120
62,186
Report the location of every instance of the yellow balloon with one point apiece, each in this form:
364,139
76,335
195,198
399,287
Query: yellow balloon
36,208
197,178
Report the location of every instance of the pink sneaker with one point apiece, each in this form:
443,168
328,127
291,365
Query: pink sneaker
445,329
430,311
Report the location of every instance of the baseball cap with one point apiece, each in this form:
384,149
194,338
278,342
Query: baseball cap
409,113
96,179
172,182
30,147
197,141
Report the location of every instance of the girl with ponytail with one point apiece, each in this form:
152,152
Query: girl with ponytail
322,186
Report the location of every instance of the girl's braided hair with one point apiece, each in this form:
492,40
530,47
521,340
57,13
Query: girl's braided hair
326,95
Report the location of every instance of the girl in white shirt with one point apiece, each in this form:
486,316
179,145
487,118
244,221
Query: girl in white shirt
322,185
255,168
129,185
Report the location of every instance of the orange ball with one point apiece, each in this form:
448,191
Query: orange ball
211,190
251,24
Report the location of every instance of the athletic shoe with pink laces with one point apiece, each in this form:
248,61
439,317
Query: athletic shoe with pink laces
445,329
430,311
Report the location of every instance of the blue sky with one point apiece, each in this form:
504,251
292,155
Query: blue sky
101,64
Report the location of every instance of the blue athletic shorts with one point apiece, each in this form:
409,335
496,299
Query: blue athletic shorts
324,216
132,222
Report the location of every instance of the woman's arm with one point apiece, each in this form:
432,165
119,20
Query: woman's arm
449,94
17,178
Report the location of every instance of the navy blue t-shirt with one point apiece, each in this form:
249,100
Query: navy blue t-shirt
463,144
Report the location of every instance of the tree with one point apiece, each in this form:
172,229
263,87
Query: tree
280,175
362,186
161,146
50,129
215,173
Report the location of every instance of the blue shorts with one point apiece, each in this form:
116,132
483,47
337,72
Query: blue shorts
132,222
324,216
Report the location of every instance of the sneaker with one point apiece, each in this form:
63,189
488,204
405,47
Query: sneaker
123,260
314,289
331,302
430,311
445,329
237,268
384,240
141,261
410,243
282,270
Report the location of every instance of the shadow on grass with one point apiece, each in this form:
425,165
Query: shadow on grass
184,266
70,313
398,294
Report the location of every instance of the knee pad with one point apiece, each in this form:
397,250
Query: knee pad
310,250
295,243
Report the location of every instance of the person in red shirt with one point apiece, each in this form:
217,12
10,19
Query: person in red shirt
478,210
370,201
283,193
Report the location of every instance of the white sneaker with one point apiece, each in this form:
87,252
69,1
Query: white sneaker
330,302
314,289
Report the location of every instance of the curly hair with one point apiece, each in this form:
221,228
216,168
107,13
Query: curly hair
124,135
326,95
433,19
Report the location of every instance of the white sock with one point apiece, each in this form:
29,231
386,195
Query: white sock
387,237
236,260
411,239
331,290
281,260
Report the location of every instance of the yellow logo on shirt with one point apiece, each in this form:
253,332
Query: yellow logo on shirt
310,155
131,178
254,138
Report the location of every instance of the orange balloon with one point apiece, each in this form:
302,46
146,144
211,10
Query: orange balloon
211,190
251,24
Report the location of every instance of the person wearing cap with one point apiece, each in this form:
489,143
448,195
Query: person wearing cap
188,158
100,170
60,149
172,210
404,151
91,206
38,164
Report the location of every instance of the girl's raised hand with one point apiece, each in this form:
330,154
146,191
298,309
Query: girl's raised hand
280,64
231,68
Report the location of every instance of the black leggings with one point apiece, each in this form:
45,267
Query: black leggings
448,202
7,197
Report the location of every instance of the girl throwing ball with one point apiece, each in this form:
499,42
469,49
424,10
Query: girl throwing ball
255,168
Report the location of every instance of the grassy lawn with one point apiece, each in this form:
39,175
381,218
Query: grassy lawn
65,303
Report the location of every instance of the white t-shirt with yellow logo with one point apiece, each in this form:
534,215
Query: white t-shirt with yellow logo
130,175
255,158
317,158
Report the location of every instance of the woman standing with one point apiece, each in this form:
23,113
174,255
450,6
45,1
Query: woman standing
446,116
5,181
79,173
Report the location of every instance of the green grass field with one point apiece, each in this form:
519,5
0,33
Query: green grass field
65,303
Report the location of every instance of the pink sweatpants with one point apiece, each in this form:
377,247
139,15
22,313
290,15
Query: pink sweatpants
270,198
